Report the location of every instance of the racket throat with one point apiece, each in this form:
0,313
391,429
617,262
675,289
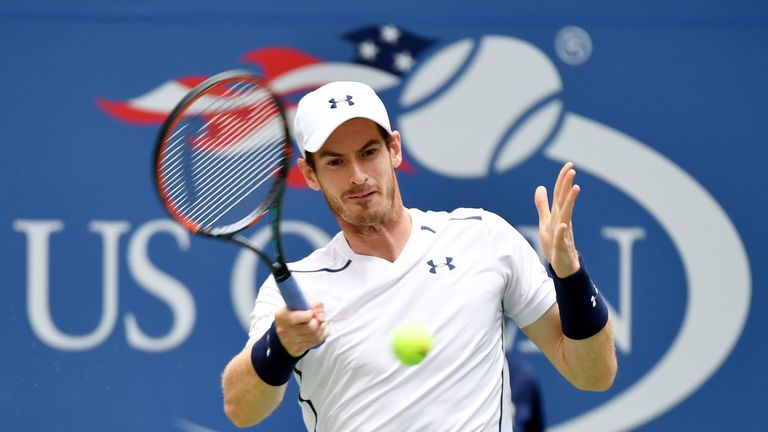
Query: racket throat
280,271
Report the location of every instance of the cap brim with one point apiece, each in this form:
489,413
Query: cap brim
318,139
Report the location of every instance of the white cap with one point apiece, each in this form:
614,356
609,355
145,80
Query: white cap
320,112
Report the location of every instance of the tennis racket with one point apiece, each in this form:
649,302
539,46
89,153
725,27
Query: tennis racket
221,163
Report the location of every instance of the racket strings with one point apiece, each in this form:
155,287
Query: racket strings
229,123
236,187
213,174
171,165
230,182
222,185
223,154
207,164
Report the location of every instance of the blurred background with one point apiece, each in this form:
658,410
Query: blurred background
114,318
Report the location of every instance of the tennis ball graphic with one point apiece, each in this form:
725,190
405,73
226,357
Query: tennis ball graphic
478,106
411,343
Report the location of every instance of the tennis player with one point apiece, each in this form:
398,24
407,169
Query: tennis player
460,273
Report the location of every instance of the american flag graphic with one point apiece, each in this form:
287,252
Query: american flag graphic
383,54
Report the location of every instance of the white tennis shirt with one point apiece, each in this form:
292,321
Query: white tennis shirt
459,274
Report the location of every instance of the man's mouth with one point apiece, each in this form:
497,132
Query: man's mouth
359,196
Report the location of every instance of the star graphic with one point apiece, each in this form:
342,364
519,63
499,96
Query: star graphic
387,47
403,61
390,34
368,50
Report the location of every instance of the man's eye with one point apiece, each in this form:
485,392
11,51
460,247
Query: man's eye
369,152
333,162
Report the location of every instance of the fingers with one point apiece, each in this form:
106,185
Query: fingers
297,340
561,184
566,192
301,330
293,317
566,185
563,195
555,225
297,317
542,203
319,310
570,202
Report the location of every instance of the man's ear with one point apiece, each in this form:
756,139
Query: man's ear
396,149
309,174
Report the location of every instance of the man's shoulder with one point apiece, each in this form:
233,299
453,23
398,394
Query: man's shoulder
478,221
453,224
460,213
324,257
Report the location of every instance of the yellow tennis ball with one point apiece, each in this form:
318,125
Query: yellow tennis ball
411,343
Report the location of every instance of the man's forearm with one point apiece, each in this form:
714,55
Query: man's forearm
590,364
247,399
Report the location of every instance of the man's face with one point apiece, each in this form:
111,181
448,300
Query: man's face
356,173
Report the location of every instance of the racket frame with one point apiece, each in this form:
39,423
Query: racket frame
272,204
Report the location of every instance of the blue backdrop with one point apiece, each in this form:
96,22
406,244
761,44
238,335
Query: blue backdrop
113,318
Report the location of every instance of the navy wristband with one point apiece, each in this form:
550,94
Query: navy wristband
270,360
583,313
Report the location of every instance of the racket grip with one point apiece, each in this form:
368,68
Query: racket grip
292,295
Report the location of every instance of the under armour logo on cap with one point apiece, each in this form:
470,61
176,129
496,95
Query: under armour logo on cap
321,111
334,103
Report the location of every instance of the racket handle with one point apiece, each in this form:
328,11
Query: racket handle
292,295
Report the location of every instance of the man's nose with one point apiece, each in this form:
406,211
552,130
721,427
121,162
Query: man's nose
358,175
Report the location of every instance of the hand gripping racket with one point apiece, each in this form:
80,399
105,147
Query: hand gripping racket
221,162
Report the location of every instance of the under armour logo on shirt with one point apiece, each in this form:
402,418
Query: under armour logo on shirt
594,297
334,103
433,267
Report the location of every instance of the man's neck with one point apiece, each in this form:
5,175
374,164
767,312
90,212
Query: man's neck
385,241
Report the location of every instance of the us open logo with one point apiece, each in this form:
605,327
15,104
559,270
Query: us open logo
525,116
510,91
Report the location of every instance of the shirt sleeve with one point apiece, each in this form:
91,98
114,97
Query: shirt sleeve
268,301
529,291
